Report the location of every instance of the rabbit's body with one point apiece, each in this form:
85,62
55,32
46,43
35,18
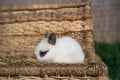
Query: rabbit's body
65,50
69,50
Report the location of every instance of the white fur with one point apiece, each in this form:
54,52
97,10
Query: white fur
66,50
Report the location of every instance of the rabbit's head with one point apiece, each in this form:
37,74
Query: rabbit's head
44,50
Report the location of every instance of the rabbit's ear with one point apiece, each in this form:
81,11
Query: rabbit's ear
46,35
52,39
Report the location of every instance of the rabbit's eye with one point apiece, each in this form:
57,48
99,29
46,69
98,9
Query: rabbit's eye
43,53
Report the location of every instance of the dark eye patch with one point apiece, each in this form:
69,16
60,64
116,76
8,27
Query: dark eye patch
43,53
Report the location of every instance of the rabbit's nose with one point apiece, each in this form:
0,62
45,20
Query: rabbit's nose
42,53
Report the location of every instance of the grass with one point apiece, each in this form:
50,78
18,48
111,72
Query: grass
110,54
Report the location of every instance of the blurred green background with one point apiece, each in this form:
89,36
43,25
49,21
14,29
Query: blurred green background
106,22
110,54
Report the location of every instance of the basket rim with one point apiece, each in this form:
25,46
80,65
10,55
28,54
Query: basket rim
54,69
44,6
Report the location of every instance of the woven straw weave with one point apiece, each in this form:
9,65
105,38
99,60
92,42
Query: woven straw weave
21,29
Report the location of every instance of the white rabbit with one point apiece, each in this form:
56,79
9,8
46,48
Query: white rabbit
59,50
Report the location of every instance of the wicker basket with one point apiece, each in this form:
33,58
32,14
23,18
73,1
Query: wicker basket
21,29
